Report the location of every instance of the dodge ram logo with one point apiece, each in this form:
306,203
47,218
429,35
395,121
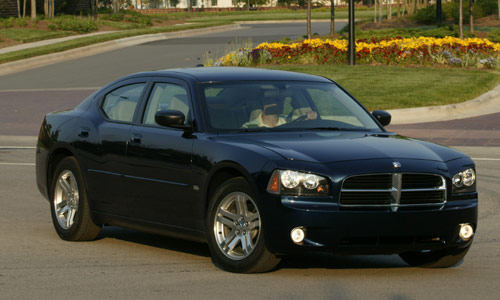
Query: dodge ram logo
396,164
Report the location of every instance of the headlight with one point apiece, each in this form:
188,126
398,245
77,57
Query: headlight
464,182
293,183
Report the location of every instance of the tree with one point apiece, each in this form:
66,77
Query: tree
309,19
48,8
471,16
116,6
33,9
19,8
332,18
461,18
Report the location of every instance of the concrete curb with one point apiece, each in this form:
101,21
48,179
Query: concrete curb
487,103
40,61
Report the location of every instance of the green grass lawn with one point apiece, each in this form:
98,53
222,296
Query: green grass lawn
389,87
280,15
26,35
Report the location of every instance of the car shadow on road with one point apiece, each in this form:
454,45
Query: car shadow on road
154,240
332,261
306,261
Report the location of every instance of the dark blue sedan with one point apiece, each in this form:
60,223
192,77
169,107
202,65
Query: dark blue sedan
259,164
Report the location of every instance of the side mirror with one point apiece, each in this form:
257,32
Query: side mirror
171,118
382,116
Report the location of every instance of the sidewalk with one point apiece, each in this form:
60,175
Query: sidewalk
49,42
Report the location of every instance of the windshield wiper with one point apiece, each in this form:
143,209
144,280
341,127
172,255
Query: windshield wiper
335,129
249,130
325,128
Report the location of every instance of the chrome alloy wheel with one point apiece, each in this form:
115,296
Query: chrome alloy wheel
237,225
66,199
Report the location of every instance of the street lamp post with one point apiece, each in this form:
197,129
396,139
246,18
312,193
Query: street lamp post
352,40
439,13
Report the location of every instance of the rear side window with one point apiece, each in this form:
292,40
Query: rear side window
120,104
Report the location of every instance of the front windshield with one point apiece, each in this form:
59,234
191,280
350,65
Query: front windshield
255,106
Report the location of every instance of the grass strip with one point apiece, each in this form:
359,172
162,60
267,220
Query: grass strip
90,40
27,35
390,87
298,15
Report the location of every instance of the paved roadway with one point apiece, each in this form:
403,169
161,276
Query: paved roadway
125,264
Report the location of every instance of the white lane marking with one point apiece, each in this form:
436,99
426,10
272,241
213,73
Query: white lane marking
16,164
16,147
486,159
53,89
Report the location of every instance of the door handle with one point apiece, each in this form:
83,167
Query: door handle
84,132
136,138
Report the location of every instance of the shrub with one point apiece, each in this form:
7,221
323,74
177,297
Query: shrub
482,8
135,17
21,22
7,23
494,35
427,15
72,23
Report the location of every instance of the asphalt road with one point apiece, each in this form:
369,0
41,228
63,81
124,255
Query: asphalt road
97,70
125,264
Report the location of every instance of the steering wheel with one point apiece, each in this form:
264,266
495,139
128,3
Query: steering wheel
299,119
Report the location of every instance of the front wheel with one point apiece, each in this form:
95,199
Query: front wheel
234,230
69,207
435,259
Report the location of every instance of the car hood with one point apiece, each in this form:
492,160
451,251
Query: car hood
327,147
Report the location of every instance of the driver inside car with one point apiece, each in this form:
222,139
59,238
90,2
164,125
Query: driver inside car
270,115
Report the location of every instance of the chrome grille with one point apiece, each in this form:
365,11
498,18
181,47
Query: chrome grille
393,190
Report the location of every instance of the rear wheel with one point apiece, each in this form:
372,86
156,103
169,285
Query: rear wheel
435,259
235,236
69,207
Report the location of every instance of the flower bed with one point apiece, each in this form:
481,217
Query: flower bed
472,52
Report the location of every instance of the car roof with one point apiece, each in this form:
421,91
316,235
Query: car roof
217,74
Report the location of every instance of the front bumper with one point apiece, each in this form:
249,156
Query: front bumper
367,232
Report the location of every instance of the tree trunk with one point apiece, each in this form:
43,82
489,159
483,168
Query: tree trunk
114,5
499,9
389,9
461,19
471,17
24,8
332,18
399,9
375,10
33,9
46,8
381,10
19,8
309,19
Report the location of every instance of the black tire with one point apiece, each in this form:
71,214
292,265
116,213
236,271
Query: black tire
81,227
247,229
435,259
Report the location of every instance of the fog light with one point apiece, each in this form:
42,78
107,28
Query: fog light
466,232
298,234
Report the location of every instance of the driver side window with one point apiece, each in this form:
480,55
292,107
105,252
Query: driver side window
166,96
